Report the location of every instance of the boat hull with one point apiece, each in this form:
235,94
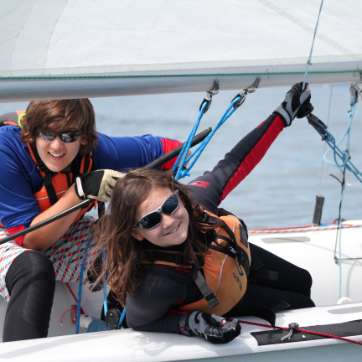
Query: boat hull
309,247
127,345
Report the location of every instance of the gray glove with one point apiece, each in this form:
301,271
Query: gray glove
296,103
97,185
211,327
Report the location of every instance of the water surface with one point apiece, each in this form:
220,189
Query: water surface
282,188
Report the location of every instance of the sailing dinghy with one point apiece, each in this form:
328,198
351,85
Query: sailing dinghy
65,49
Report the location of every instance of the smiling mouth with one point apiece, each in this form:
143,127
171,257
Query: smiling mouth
175,229
56,155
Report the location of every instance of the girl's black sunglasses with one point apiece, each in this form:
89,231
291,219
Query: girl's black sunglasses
153,219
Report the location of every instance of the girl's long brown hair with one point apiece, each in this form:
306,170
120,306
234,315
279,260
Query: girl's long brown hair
122,255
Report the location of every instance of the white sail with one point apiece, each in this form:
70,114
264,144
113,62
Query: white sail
97,48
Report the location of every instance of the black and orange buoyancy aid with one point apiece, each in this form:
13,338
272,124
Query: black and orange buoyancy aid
223,277
54,185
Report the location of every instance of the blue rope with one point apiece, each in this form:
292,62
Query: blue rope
342,159
191,159
80,286
345,165
178,168
105,304
122,318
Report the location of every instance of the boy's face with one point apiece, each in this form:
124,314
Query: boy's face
58,150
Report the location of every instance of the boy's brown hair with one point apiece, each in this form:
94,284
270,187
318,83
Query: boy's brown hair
61,115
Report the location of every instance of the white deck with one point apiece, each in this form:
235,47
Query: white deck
313,249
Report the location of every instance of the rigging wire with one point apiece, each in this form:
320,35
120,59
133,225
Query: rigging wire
344,156
319,200
343,162
326,149
341,158
309,61
343,167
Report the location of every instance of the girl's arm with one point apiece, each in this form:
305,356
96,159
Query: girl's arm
213,186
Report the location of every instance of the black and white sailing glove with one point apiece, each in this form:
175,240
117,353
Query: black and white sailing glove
211,327
296,103
97,185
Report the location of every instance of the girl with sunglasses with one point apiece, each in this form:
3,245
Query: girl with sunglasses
181,265
51,159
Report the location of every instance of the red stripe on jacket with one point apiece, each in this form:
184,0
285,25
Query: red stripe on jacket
15,229
253,158
168,145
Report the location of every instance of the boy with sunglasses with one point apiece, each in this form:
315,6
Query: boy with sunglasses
51,161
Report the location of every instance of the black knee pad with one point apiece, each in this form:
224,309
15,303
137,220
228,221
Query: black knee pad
303,280
31,282
307,279
28,266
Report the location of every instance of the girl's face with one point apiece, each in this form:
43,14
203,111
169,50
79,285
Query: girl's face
162,219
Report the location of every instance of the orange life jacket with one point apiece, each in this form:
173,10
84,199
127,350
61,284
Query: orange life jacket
54,184
223,279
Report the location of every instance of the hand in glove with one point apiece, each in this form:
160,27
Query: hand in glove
296,103
211,327
97,185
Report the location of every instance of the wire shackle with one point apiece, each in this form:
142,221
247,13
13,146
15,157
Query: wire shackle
239,99
205,104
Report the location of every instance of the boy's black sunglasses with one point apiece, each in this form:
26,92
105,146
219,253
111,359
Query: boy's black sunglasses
153,219
65,136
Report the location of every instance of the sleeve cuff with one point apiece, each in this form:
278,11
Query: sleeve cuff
79,188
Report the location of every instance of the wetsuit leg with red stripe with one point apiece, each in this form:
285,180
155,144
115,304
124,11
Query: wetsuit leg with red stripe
213,186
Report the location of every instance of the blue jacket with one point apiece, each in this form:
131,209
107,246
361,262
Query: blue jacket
20,178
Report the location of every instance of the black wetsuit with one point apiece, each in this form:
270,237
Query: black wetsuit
274,284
